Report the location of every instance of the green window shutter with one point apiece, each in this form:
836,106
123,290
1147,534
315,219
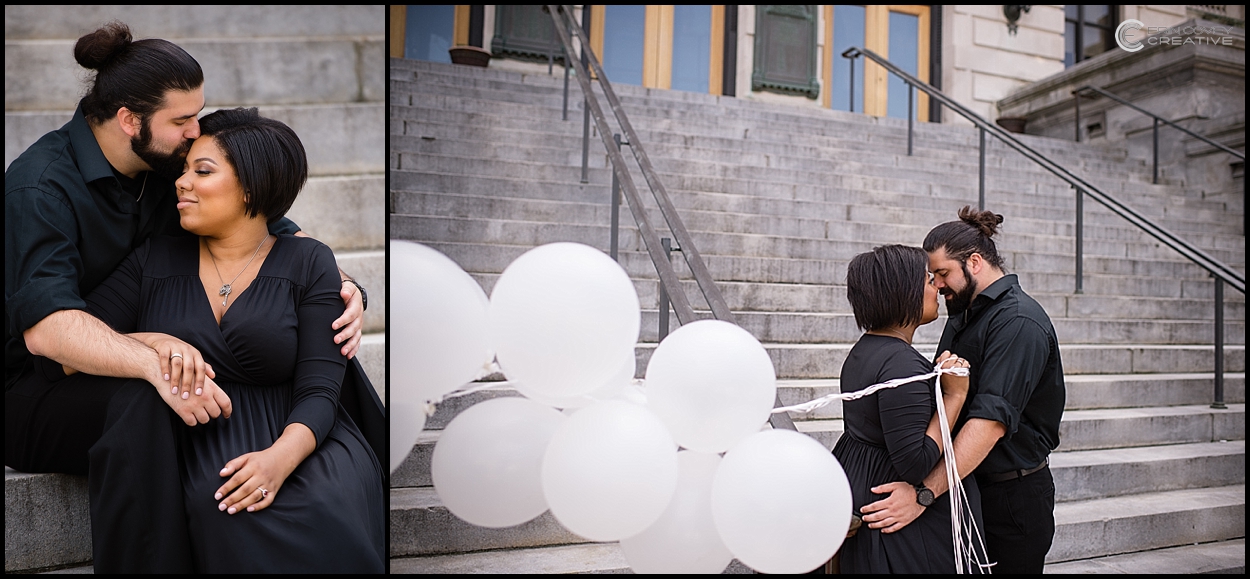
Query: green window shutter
524,32
785,50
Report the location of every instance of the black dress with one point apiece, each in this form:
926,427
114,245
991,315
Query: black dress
274,355
884,441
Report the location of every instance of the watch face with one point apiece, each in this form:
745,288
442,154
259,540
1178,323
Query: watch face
924,496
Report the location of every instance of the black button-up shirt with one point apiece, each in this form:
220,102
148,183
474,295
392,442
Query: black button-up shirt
68,221
1016,374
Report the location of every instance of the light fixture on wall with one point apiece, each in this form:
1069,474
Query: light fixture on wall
1013,14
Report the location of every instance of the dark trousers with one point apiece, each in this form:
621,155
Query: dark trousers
1019,521
122,435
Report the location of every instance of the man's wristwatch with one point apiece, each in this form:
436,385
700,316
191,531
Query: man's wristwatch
924,496
364,297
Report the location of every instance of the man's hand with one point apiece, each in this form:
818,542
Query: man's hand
351,321
895,511
195,410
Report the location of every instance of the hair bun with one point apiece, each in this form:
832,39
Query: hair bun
95,50
986,222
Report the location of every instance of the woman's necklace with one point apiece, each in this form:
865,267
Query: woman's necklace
225,287
897,333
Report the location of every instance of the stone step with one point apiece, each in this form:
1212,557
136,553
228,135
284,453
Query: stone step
170,22
1222,557
422,526
346,212
339,138
493,259
1133,523
1080,431
816,328
479,246
328,69
46,521
828,199
372,356
787,297
841,220
582,558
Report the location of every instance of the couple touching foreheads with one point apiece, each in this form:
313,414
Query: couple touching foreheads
1004,415
175,338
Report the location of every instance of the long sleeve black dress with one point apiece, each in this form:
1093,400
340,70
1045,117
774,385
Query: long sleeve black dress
884,441
275,356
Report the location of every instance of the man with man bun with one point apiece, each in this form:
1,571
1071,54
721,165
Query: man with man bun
1010,423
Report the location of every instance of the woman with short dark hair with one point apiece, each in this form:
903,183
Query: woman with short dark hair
894,434
287,483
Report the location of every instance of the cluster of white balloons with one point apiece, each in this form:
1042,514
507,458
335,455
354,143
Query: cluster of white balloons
611,460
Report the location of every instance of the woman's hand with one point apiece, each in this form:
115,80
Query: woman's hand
182,365
953,385
256,477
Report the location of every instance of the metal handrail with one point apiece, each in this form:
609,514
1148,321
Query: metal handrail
1115,98
1219,270
655,248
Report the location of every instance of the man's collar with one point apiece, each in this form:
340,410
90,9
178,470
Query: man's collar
999,287
92,164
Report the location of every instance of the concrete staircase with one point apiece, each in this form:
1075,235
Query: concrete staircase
321,70
1149,477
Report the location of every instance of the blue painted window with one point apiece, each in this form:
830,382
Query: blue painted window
904,53
624,28
429,32
848,31
692,41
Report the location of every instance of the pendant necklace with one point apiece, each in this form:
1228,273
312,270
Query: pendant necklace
225,287
144,187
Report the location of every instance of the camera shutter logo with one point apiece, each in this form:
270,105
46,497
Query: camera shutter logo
1121,34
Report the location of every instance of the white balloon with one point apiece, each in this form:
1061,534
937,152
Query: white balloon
407,420
487,463
781,502
560,317
712,383
684,539
609,471
612,388
438,332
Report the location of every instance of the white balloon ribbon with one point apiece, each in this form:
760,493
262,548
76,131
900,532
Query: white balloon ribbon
969,548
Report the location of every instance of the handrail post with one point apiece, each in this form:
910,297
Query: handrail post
1077,121
1219,344
667,244
852,100
615,235
565,115
585,141
1155,150
1080,235
911,90
981,195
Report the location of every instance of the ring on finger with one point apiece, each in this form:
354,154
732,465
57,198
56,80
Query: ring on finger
175,355
264,493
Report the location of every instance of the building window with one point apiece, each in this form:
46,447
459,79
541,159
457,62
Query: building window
1087,32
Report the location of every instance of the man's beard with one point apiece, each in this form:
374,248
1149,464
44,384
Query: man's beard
958,301
167,165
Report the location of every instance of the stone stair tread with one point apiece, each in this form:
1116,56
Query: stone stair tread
585,558
1223,557
1145,454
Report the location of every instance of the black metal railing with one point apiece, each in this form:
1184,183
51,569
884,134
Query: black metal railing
658,251
1222,273
1076,94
